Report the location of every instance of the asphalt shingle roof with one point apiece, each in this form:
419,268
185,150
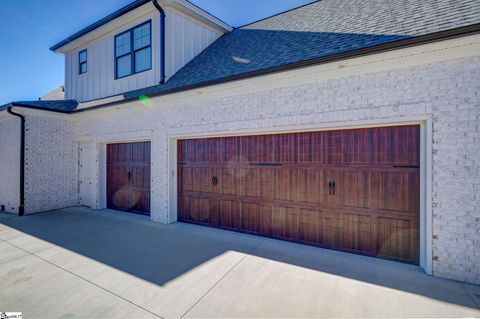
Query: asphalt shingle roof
320,29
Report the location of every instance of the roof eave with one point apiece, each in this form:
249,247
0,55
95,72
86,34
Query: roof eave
99,23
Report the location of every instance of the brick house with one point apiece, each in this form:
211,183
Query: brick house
347,125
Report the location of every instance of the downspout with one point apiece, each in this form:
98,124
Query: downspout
162,41
21,208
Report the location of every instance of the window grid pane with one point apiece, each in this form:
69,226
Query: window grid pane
124,66
122,44
143,60
83,67
141,36
83,56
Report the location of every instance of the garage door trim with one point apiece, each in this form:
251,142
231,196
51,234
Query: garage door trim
425,123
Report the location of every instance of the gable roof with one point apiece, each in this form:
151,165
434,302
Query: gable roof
323,31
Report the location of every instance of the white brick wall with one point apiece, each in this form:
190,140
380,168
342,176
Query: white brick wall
9,162
447,91
51,164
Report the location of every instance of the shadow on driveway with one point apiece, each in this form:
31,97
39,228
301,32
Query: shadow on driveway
160,253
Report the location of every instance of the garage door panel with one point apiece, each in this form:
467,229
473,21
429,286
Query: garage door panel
286,184
311,186
202,179
118,174
357,233
186,152
228,182
333,147
285,150
311,147
332,228
185,178
265,217
230,214
285,222
184,208
353,190
140,201
140,176
397,238
199,209
357,146
398,145
395,191
246,181
265,183
311,225
249,216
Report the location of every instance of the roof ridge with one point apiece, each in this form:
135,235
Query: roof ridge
279,13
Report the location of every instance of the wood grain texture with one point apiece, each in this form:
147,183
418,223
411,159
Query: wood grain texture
353,190
128,177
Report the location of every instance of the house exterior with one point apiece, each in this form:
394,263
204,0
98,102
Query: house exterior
351,125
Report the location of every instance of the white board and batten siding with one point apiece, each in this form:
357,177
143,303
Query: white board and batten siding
185,38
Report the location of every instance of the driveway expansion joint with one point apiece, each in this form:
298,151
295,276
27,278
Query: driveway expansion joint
223,277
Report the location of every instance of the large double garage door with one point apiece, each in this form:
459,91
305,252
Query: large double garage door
354,190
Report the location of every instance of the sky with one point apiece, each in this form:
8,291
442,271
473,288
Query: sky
28,69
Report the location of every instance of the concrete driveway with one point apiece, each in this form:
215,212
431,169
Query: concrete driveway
79,263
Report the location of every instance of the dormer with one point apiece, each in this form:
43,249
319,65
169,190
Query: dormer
138,46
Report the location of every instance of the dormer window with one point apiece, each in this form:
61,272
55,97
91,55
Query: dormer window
82,62
133,50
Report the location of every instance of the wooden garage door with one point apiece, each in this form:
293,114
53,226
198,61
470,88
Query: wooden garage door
354,190
128,177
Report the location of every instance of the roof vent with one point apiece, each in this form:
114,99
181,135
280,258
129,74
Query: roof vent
241,60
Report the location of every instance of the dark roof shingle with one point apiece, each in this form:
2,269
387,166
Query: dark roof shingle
320,29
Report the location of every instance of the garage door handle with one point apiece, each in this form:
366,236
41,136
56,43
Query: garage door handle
214,181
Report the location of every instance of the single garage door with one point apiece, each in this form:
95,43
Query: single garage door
353,190
128,177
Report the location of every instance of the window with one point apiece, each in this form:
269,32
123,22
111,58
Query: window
133,51
82,62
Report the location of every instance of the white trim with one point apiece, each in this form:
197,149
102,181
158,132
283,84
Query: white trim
425,123
426,195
